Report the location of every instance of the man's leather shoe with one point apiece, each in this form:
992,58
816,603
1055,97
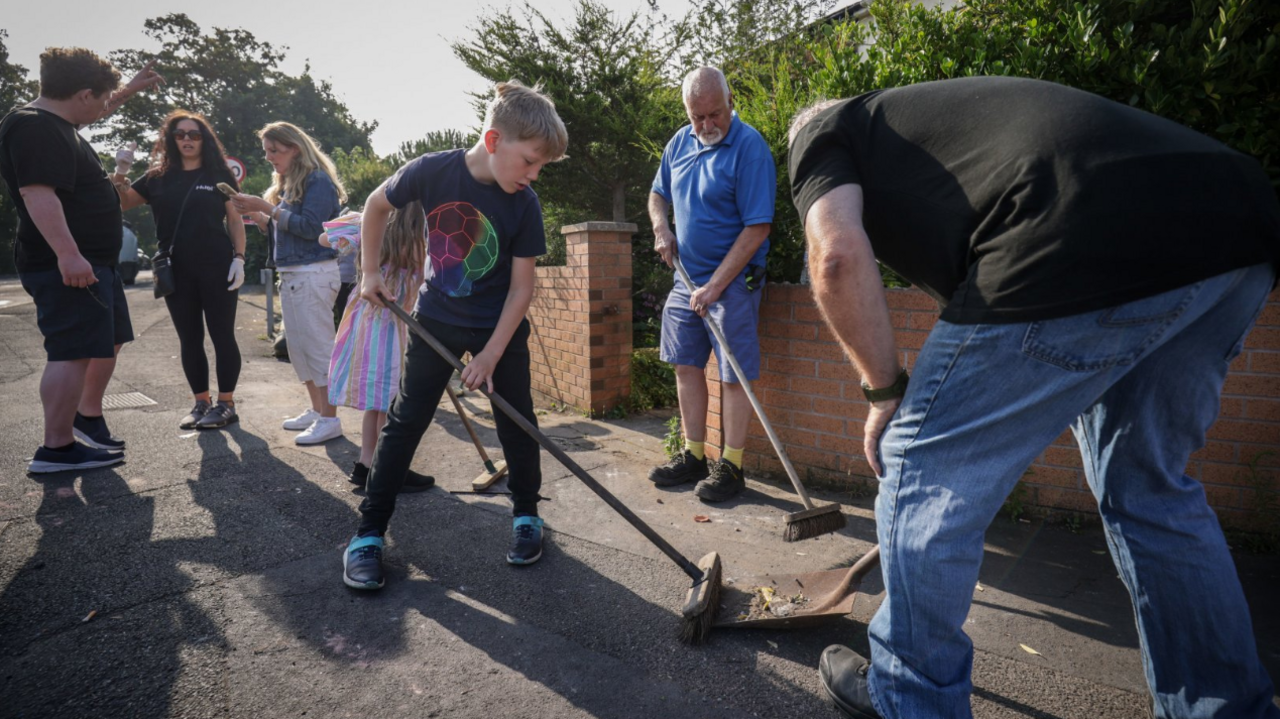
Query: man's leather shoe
843,673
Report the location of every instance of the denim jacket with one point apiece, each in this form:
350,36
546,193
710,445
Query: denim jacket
299,223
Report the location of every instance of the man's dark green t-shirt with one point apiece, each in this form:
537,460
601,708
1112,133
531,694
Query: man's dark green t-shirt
1013,200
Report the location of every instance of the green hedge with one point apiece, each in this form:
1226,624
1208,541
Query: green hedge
1213,66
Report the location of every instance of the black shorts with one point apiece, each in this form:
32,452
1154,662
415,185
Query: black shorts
79,322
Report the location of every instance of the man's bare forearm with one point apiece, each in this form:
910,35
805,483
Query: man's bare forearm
846,283
658,210
46,212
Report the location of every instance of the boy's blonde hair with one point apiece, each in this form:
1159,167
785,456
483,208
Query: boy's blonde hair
310,158
527,114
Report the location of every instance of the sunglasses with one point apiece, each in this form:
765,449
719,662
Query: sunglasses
187,135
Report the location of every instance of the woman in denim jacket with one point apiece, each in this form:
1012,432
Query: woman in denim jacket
305,192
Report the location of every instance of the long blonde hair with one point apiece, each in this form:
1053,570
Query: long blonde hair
310,158
404,247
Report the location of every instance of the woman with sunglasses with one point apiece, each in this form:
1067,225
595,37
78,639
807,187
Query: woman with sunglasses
205,238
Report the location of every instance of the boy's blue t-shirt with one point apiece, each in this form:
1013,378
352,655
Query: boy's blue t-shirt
473,231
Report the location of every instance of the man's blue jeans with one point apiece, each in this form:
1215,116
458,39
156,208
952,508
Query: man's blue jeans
1139,386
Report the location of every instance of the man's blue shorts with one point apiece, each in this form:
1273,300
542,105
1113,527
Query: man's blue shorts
79,322
686,340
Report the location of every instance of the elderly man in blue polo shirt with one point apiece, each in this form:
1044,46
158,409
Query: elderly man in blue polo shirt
719,176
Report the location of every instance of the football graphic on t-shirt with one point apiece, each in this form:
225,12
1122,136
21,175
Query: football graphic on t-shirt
462,247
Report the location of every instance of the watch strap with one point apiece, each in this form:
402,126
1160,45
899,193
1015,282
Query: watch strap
893,391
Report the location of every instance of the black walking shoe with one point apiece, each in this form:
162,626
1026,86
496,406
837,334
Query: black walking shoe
362,563
93,432
684,468
197,413
724,482
78,457
359,474
220,415
843,673
413,482
526,541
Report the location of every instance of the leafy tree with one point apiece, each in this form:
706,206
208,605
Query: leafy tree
15,90
1213,66
234,79
606,75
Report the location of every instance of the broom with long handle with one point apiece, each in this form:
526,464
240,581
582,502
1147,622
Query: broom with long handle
702,601
811,521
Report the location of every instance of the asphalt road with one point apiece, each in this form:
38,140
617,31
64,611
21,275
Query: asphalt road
211,565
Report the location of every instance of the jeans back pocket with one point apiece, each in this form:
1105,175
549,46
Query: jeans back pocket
1106,338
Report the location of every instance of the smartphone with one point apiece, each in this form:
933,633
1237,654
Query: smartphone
227,190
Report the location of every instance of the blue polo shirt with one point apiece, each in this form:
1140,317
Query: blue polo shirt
715,192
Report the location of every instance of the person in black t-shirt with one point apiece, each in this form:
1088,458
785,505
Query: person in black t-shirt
1098,267
204,236
68,243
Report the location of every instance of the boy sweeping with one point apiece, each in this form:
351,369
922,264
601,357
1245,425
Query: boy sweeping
484,233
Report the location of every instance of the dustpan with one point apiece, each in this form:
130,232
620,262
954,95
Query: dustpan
794,600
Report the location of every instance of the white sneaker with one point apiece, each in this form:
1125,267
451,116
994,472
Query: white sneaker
321,430
302,421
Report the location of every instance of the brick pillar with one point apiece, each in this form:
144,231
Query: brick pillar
580,347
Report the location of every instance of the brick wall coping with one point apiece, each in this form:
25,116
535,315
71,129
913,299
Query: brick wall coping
601,227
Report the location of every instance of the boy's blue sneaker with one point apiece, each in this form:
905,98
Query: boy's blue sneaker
526,541
93,432
362,563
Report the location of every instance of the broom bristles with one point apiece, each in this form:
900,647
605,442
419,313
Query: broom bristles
702,602
817,525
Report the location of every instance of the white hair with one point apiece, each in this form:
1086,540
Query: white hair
700,82
803,117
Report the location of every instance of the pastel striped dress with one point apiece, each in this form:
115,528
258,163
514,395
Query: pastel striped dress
368,353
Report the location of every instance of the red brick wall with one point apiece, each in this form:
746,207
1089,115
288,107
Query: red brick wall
580,317
814,400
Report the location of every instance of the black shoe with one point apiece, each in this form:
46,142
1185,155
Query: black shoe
220,415
79,457
197,413
843,673
414,482
684,468
526,541
93,432
359,474
362,563
725,482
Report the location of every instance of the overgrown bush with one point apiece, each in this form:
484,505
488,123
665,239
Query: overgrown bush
1211,65
653,382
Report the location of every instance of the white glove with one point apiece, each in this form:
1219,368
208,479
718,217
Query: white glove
124,158
235,277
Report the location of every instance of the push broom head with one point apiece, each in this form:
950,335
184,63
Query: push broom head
813,522
702,602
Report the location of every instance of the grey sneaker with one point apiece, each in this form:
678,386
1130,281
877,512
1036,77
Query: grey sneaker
197,413
220,415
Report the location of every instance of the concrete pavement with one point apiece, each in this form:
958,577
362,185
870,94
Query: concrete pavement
212,561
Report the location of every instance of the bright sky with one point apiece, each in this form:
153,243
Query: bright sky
388,60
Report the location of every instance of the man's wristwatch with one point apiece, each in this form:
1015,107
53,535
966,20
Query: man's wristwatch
893,391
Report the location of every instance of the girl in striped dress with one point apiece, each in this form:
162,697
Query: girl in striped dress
368,352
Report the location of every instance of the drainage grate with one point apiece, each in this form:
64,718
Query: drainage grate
126,400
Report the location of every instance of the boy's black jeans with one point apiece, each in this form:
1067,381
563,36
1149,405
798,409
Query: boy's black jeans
422,385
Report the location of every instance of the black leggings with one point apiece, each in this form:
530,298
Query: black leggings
201,297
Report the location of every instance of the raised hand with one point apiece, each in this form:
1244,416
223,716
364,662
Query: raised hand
125,158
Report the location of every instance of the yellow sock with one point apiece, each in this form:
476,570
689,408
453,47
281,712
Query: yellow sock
698,449
733,455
